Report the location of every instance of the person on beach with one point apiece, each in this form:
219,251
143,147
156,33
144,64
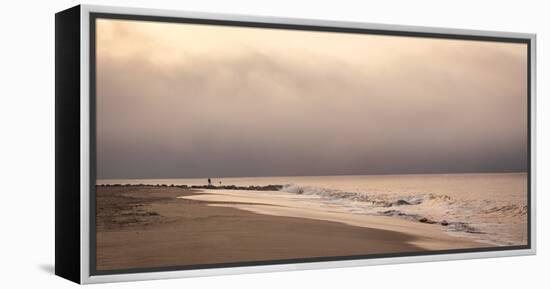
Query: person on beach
209,182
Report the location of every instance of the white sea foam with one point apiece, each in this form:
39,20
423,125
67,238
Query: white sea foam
500,221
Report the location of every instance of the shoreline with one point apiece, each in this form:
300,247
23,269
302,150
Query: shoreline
387,208
141,227
427,234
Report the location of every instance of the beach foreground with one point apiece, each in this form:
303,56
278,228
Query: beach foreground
145,227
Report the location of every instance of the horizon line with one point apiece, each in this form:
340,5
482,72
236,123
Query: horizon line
336,175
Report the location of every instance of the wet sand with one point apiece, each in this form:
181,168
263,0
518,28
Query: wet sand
145,227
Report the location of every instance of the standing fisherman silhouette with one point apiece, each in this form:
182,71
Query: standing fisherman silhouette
209,182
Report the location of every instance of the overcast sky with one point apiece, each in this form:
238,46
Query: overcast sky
183,101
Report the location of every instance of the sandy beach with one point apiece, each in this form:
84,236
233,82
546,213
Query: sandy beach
146,227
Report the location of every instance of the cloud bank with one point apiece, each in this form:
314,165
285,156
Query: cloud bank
180,101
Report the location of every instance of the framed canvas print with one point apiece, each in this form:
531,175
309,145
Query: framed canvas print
192,144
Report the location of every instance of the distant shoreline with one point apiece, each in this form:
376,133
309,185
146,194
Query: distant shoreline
210,187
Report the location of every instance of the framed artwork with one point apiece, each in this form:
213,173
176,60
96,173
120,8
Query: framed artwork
192,144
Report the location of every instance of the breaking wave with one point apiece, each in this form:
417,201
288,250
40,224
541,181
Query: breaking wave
380,200
511,210
455,215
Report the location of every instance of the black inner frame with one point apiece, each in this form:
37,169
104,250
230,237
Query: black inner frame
92,61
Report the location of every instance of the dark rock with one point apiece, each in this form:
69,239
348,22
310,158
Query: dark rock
444,223
426,220
390,213
401,203
212,187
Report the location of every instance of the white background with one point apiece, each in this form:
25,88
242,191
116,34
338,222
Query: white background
27,143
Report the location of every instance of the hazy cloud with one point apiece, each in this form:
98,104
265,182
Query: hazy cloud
179,100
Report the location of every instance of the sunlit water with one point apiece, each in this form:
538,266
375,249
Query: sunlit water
486,207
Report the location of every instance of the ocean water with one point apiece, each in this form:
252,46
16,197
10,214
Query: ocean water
490,208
